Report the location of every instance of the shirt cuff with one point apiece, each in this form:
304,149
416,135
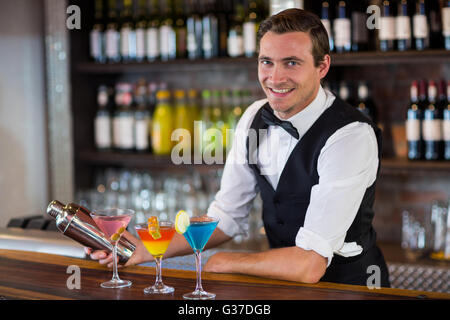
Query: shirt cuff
226,223
308,240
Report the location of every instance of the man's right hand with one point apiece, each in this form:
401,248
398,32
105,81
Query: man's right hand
140,254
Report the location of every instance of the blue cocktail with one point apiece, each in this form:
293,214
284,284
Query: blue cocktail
197,235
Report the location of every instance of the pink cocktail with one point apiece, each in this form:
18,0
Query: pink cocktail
113,223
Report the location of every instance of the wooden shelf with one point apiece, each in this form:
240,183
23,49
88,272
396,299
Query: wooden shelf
185,65
389,166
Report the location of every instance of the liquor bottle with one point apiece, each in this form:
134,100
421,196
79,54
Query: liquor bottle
102,122
210,27
222,17
235,40
420,27
250,27
112,35
446,24
123,121
346,94
127,33
435,24
180,29
342,29
162,125
194,31
183,119
142,118
387,27
360,32
414,116
325,18
167,36
206,123
97,35
432,125
152,34
217,120
403,27
446,124
365,103
140,29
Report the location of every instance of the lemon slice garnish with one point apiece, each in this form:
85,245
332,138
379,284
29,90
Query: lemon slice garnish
182,221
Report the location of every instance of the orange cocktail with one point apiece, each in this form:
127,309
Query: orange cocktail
156,237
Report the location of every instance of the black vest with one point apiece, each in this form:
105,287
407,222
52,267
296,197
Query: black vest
284,209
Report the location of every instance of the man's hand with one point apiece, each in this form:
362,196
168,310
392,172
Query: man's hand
140,254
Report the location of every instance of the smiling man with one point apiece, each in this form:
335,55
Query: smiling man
317,203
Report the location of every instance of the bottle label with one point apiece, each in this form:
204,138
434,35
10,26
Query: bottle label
446,22
112,43
327,25
387,28
96,43
342,31
125,41
402,27
413,130
142,133
156,137
235,46
103,131
446,130
191,43
140,43
360,32
420,26
249,37
127,132
116,132
152,43
207,44
432,130
167,40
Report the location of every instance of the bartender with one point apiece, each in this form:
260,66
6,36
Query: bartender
315,166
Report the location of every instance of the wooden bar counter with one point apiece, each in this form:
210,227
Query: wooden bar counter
31,275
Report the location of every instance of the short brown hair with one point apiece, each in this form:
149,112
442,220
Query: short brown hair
291,20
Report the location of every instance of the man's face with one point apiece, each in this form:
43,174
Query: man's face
286,71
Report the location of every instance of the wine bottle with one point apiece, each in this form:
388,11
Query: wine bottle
446,124
123,121
112,36
432,125
142,118
365,103
387,27
403,27
167,36
250,27
140,29
446,24
194,31
152,34
414,116
360,32
180,29
325,18
127,33
420,27
342,29
210,27
235,40
222,16
102,122
97,35
435,23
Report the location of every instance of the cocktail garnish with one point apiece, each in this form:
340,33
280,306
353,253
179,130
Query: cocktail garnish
153,227
182,222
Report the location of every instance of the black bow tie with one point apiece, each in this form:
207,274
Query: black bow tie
270,119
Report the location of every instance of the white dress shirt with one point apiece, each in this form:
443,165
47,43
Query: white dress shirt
347,166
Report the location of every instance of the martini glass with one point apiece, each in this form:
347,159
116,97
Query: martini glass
157,248
113,222
197,235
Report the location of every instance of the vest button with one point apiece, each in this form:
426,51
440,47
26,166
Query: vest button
280,222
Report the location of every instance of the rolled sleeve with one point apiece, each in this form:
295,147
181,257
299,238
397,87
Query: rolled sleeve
308,240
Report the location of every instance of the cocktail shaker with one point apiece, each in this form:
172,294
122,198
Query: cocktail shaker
75,222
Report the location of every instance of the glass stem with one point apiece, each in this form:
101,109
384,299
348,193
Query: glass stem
198,265
115,274
158,281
